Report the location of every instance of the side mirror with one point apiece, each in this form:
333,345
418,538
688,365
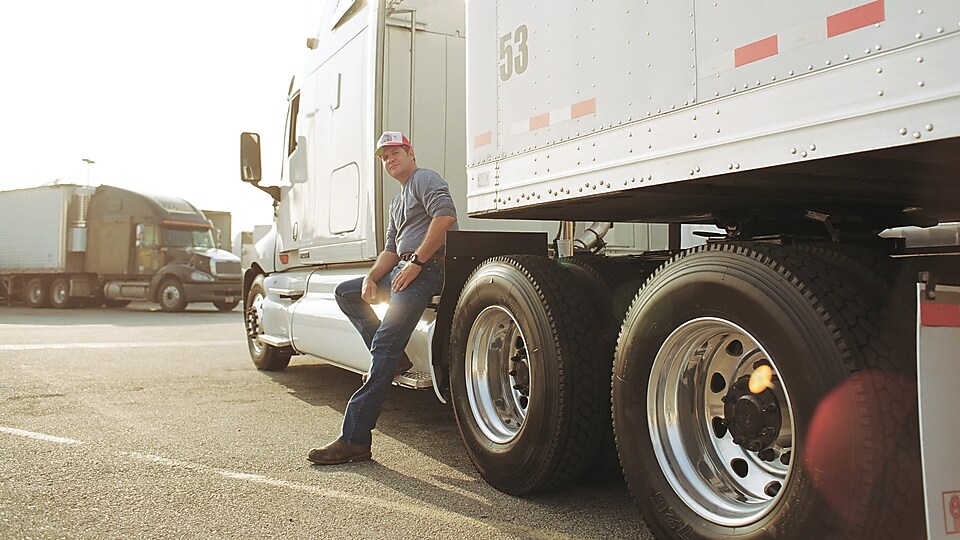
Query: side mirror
250,157
298,162
139,241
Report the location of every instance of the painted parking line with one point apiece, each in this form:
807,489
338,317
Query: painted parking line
425,512
37,436
418,509
116,345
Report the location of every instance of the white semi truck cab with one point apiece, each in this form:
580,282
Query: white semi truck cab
671,259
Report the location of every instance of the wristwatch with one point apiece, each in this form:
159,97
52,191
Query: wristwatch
416,260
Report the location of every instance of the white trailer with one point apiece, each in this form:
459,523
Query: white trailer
764,385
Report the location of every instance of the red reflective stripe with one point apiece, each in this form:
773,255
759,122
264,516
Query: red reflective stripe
540,121
758,50
482,139
852,19
583,108
936,314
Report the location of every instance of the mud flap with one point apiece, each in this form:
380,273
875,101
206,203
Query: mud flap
938,343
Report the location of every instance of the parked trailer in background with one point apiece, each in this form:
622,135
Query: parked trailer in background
222,223
64,245
764,385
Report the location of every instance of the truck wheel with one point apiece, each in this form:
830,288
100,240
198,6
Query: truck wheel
170,295
60,293
526,384
225,306
265,357
36,294
752,393
612,283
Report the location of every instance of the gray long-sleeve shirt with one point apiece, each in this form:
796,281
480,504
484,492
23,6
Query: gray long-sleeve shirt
425,196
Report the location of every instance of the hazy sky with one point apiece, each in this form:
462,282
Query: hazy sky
156,93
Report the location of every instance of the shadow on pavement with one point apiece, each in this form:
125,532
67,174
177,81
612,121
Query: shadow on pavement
420,421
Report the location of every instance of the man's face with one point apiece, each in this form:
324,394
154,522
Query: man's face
398,162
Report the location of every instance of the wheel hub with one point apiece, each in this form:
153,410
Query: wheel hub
704,367
753,419
521,373
500,389
253,317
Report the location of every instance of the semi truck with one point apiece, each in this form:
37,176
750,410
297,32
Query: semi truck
66,245
766,383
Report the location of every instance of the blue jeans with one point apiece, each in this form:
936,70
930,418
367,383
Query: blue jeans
385,339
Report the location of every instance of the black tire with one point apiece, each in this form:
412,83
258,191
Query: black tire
886,288
265,357
829,467
611,283
527,389
37,293
60,293
890,284
225,306
171,296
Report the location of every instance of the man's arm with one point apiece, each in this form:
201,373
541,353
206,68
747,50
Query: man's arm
435,237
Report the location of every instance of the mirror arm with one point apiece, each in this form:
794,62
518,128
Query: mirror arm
273,191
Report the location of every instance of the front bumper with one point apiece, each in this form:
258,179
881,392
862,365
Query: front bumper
229,291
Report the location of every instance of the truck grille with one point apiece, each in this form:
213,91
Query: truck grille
226,268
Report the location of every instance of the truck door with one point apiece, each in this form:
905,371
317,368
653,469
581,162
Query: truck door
338,200
289,212
148,258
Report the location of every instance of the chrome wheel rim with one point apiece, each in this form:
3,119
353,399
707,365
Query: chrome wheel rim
498,373
59,293
254,324
694,377
171,295
36,293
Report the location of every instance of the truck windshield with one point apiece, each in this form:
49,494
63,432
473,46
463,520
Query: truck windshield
188,238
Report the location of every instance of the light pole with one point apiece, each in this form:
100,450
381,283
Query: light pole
89,162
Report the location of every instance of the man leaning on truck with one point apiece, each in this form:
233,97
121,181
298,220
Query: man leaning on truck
407,273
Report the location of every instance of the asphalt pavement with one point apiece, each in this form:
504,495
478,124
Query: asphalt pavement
135,423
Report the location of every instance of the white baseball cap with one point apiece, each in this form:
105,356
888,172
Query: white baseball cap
391,138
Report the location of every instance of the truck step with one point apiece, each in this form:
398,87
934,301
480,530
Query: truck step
274,341
414,379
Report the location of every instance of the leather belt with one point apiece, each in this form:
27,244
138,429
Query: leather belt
435,257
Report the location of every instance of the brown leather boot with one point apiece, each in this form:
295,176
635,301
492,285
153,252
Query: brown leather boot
339,452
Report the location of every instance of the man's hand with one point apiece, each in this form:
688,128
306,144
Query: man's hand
405,277
368,290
